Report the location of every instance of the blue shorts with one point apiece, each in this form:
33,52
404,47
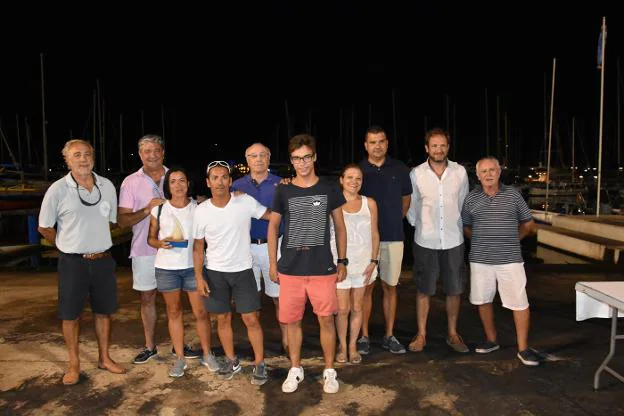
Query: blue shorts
174,280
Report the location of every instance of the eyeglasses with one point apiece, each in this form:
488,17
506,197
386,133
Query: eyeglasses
306,158
82,201
258,156
218,163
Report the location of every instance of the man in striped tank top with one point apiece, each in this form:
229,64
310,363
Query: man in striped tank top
496,218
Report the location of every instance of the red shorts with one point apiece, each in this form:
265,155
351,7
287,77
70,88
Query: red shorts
295,290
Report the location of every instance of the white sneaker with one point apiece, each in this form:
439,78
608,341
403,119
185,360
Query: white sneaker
330,382
295,376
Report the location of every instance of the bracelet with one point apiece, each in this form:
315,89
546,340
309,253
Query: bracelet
375,261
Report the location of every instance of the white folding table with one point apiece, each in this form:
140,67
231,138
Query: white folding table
602,300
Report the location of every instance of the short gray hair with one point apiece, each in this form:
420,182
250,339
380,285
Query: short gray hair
492,158
72,142
151,138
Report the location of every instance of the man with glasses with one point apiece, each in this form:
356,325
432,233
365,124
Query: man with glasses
140,192
387,181
81,205
261,184
224,273
306,268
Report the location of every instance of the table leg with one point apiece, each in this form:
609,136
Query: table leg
614,337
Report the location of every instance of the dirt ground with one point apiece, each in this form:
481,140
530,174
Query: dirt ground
434,382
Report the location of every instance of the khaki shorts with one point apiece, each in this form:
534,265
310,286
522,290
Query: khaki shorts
390,260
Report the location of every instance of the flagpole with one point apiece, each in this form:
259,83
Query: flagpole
552,104
603,38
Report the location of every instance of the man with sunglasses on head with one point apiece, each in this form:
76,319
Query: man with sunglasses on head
81,205
224,273
140,192
306,268
261,185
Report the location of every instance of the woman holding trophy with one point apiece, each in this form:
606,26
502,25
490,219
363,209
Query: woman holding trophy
169,232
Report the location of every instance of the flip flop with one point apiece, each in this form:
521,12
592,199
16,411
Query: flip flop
121,371
341,358
356,359
69,379
417,344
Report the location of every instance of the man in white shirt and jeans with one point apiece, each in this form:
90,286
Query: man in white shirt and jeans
439,189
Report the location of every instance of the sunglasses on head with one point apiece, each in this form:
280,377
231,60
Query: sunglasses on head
218,163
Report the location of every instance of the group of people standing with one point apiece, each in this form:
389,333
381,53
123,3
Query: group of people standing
299,239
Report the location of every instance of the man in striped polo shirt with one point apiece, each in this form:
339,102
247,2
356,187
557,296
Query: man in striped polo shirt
496,218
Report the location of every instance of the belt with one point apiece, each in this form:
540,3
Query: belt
262,240
91,256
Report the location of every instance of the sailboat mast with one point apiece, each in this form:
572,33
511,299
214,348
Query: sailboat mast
44,123
602,69
552,105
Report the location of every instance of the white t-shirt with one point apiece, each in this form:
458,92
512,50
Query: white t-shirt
175,258
226,231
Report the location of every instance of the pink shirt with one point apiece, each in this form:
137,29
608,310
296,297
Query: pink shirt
137,190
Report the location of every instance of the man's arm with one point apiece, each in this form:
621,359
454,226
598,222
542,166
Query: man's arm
341,241
406,203
414,197
127,218
468,232
526,228
266,215
198,266
272,233
49,233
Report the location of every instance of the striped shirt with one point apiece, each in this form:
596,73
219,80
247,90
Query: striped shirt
494,221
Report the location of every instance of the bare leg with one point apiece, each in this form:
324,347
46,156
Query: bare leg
357,297
71,330
294,343
224,328
521,318
148,315
389,306
328,339
452,313
254,333
342,323
102,332
173,302
486,312
282,326
367,307
202,320
422,310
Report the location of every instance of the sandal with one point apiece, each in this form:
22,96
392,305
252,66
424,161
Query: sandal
341,358
356,358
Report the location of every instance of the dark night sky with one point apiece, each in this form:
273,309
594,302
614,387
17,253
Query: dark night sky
222,76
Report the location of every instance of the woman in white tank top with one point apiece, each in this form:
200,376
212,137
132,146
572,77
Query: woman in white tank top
360,216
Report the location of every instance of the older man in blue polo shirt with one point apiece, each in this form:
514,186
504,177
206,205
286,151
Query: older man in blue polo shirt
387,181
261,184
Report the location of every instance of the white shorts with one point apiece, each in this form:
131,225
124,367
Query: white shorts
355,281
390,260
260,267
511,280
143,273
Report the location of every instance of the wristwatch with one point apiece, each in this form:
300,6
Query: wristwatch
344,261
375,261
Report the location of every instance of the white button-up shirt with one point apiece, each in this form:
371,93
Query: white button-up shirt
435,209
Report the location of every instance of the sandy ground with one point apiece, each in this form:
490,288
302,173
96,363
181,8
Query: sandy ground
434,382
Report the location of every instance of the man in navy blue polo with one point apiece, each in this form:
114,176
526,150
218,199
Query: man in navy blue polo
261,185
387,181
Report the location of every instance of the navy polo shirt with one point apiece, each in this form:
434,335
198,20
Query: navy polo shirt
262,192
387,185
